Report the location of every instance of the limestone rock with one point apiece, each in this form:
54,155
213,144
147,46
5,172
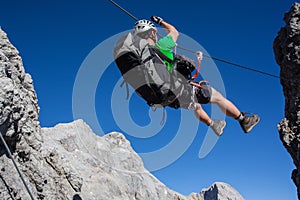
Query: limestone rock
287,53
18,122
220,191
19,125
108,168
18,101
105,167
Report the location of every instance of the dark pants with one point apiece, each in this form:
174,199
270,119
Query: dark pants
201,96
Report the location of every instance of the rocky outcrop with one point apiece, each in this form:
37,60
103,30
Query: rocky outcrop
101,167
287,54
108,168
18,103
21,130
220,191
69,161
18,123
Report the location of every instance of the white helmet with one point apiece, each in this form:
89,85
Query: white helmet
143,26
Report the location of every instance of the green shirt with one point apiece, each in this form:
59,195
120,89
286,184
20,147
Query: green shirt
166,45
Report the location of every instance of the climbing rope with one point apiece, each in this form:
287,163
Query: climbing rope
17,168
204,55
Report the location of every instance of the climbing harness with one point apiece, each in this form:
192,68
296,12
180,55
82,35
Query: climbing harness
198,84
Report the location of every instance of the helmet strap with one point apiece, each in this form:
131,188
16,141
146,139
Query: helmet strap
152,36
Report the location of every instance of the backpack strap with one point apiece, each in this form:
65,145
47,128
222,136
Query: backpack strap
161,55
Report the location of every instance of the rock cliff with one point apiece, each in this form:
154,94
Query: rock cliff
287,53
69,161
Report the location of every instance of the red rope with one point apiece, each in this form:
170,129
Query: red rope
199,58
198,70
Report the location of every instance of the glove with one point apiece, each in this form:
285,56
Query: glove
157,19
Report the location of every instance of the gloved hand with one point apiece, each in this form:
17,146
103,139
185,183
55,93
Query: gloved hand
157,19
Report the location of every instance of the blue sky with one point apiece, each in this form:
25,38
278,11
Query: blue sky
55,37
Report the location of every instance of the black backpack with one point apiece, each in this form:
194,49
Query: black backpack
142,67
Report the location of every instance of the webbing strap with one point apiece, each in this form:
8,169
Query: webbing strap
127,88
163,120
193,105
199,84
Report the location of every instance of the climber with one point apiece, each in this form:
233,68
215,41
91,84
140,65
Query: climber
204,93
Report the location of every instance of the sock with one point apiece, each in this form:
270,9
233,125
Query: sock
240,117
211,123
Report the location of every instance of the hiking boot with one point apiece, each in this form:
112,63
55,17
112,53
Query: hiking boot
217,126
249,122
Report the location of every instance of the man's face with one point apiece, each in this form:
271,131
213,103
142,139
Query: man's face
152,37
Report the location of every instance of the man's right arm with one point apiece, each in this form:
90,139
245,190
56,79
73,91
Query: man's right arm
172,31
